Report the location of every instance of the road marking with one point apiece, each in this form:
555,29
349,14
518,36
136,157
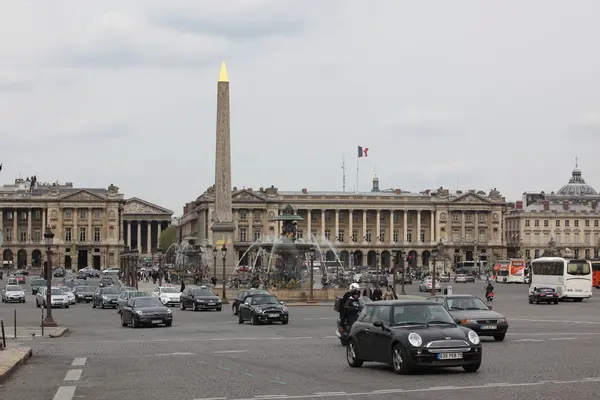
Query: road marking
337,393
64,393
272,396
224,368
175,354
278,382
563,338
248,374
73,375
556,321
229,351
212,398
315,318
79,362
529,340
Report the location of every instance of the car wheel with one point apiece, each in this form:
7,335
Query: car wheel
240,319
169,324
181,306
254,319
102,305
472,367
94,305
399,360
352,355
220,309
123,323
555,302
499,338
530,301
66,306
233,309
135,323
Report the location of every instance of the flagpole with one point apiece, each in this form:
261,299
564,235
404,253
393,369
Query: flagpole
357,171
344,173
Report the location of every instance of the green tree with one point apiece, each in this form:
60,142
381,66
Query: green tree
168,237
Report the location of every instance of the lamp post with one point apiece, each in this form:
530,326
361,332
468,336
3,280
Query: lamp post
401,259
434,254
215,261
377,266
161,256
49,238
311,298
224,256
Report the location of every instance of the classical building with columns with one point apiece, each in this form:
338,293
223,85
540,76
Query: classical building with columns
469,223
570,217
143,225
87,223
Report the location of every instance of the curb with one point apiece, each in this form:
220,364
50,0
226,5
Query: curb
308,304
6,374
63,333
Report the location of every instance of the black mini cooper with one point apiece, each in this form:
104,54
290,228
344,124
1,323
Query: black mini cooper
412,334
263,308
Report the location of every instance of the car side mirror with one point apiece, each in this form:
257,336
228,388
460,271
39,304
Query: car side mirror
490,307
378,324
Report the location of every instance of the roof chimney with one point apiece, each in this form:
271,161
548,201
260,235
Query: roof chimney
566,205
519,205
305,191
594,204
375,184
546,205
398,191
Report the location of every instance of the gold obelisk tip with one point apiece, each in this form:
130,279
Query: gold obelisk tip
223,77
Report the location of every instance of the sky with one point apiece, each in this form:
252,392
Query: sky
460,94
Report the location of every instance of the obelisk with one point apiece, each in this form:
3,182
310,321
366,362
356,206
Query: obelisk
223,226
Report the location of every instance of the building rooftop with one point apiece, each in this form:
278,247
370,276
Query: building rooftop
577,186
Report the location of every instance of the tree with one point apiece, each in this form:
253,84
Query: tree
168,237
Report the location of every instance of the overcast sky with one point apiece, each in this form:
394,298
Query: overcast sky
443,93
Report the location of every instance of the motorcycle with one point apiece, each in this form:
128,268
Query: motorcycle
343,327
489,296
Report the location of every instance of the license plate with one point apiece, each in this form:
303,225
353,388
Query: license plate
489,327
578,290
273,315
156,321
211,304
450,356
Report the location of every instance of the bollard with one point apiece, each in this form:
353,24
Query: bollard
3,334
449,290
15,322
42,308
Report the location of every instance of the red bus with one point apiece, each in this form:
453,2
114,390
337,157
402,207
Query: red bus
596,274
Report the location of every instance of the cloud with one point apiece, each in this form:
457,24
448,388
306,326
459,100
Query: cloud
587,127
17,85
424,123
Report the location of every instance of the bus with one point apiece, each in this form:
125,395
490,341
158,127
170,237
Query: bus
572,279
596,273
510,271
470,267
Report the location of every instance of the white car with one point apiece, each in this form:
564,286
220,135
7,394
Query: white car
426,285
168,295
460,278
13,294
69,293
58,298
112,271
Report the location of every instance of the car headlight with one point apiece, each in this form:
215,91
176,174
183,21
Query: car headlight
139,312
169,311
415,339
468,321
200,301
283,309
473,337
258,310
219,300
104,298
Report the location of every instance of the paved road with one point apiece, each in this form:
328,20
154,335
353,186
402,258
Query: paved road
550,351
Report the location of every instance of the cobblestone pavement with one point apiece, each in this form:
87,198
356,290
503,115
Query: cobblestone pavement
550,353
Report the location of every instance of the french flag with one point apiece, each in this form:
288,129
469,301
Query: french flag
363,151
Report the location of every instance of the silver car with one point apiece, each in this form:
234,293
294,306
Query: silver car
460,278
58,298
13,294
426,285
70,295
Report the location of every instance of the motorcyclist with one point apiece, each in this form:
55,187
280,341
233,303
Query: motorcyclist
347,295
352,308
489,289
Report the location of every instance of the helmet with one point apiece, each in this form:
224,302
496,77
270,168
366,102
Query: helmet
354,286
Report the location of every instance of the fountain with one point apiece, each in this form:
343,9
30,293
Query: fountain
188,256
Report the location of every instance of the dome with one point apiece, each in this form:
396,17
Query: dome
577,186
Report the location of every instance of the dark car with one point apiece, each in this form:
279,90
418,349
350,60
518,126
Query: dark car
82,274
106,281
472,312
105,297
543,295
127,295
36,284
200,298
261,308
145,311
412,334
241,297
71,282
84,293
60,272
20,278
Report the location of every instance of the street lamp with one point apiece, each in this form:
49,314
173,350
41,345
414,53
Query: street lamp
434,254
224,256
311,298
215,250
49,238
400,259
377,266
161,256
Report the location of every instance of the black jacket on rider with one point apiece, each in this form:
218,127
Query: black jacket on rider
351,310
489,288
345,298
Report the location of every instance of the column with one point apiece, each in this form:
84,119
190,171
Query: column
337,224
75,216
128,234
2,219
15,234
377,225
251,225
432,227
418,226
405,226
90,234
44,224
364,226
322,224
29,235
308,223
139,236
350,225
391,234
462,226
149,236
159,233
476,223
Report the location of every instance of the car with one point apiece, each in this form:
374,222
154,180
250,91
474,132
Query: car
426,285
241,297
470,311
57,298
460,278
105,297
112,271
543,295
70,295
411,335
168,295
81,274
470,279
12,281
263,308
84,293
200,298
20,279
125,296
106,281
22,272
59,272
141,311
445,277
13,294
36,284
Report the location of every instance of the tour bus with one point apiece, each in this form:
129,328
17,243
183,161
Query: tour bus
470,267
596,273
572,279
510,271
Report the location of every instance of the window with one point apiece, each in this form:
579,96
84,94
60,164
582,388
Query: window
355,235
481,237
256,215
408,217
587,253
299,234
366,314
536,222
96,234
327,234
37,215
382,313
395,236
396,216
97,214
481,217
341,235
37,235
576,222
256,234
9,216
567,222
536,253
68,234
313,217
578,268
469,217
82,232
368,237
455,217
328,216
382,218
341,216
242,234
558,222
576,253
8,233
23,235
409,237
82,214
547,268
526,222
587,222
422,237
23,216
382,235
243,215
545,223
596,223
68,214
528,254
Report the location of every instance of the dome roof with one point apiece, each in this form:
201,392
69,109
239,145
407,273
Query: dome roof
577,186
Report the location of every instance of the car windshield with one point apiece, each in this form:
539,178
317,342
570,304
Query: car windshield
546,289
38,282
417,314
14,288
138,294
461,276
466,303
201,292
110,290
85,289
264,300
67,289
147,302
169,290
57,292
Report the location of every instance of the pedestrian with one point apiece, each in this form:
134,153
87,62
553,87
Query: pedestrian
389,293
182,285
377,294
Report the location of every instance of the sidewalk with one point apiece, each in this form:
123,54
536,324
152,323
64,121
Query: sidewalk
11,358
29,333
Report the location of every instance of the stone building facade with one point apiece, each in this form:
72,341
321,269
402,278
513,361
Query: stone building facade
87,223
360,225
143,223
570,217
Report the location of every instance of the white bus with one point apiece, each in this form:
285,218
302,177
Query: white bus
572,279
510,271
